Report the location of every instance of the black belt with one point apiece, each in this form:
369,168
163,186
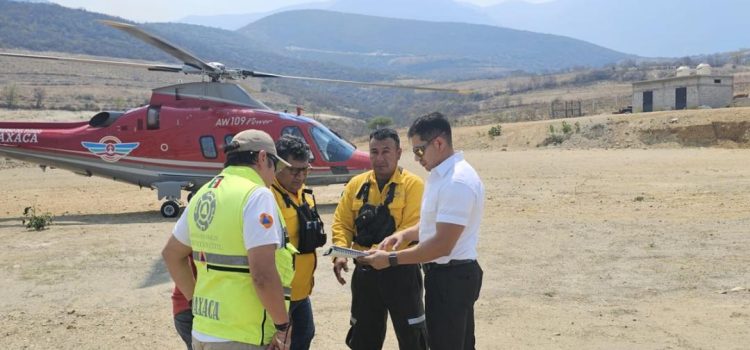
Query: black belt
431,266
363,267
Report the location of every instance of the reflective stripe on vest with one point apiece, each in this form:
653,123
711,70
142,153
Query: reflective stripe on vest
235,261
213,258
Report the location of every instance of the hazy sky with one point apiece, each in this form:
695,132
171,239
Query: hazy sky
170,10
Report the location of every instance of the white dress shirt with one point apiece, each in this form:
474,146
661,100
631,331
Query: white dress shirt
454,194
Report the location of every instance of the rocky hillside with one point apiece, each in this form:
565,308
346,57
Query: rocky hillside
726,128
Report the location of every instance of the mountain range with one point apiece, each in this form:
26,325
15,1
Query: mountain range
51,27
663,28
652,28
423,10
420,48
312,43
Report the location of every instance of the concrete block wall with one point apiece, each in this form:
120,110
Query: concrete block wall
715,95
701,90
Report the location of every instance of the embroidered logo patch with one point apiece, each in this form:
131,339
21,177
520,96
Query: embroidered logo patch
204,211
266,220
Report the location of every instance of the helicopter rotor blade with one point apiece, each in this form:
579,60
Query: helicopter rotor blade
217,71
179,53
158,67
171,69
254,74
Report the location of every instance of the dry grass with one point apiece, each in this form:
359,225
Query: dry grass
80,86
572,259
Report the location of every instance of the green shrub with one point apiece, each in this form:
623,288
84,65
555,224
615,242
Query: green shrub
494,131
379,122
566,128
557,139
33,221
553,139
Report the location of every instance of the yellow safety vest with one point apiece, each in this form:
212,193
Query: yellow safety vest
225,303
404,208
304,264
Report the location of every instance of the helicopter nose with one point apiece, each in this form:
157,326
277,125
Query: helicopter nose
360,160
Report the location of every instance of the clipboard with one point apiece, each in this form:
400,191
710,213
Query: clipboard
340,252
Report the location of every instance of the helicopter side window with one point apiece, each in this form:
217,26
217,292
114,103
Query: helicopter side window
152,118
331,147
228,139
208,147
292,130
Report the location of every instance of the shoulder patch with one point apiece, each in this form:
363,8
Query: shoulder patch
266,220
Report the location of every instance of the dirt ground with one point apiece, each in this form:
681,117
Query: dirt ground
582,248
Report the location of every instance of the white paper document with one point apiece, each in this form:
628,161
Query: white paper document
340,252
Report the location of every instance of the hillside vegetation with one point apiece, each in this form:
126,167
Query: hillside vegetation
517,97
420,48
723,127
50,27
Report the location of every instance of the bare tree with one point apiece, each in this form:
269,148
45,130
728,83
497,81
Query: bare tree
39,95
10,94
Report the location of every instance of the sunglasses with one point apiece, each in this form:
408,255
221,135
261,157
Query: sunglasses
296,171
419,150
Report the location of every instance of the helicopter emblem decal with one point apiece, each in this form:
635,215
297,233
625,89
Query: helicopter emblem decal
110,148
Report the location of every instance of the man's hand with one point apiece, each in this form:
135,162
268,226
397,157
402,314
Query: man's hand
338,265
282,340
375,258
392,242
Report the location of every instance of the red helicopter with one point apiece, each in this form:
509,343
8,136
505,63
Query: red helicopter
174,143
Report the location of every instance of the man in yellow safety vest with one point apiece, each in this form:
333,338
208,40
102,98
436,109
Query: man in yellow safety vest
237,238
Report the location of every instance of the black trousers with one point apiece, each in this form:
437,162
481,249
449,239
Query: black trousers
450,293
183,323
395,290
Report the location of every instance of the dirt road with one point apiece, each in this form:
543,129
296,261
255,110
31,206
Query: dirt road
582,249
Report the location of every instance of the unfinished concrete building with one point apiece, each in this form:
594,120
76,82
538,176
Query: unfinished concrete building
688,89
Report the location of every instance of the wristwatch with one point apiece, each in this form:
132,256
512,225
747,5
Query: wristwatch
392,259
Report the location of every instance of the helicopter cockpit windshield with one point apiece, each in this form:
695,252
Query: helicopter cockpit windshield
332,148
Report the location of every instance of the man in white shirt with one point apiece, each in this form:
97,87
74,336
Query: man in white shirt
448,232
